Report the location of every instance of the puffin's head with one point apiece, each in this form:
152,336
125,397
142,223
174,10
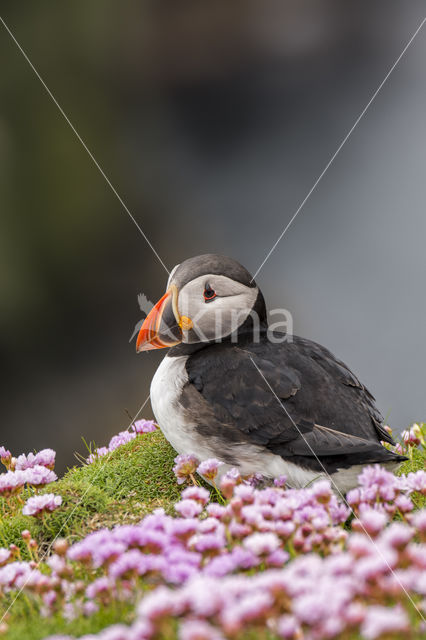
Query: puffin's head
208,298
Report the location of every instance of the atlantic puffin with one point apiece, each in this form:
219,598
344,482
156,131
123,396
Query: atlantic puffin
256,399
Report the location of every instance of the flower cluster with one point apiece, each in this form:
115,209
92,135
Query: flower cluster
34,471
44,458
187,464
272,559
381,490
37,505
12,482
414,436
410,439
138,427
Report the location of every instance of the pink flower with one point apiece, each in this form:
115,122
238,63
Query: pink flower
399,449
261,543
5,556
229,482
144,426
198,630
419,520
416,481
412,437
280,481
196,493
381,620
99,586
322,491
209,468
39,475
371,521
185,466
215,510
36,505
159,603
397,535
122,438
403,503
98,453
44,458
188,508
5,457
11,482
289,628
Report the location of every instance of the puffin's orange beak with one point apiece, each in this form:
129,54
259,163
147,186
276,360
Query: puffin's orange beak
161,327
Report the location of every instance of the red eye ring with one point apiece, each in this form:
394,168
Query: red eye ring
209,293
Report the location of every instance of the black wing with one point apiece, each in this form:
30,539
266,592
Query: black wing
293,398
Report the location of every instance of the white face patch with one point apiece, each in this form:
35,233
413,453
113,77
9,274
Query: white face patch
220,316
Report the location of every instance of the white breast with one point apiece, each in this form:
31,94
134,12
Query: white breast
166,388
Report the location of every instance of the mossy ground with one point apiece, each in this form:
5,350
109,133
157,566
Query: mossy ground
121,487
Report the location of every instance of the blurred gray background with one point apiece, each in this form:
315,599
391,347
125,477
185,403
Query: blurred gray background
212,120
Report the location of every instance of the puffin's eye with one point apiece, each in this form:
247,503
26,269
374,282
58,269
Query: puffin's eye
209,293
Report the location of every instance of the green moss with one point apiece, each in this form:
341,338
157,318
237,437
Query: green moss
120,487
416,463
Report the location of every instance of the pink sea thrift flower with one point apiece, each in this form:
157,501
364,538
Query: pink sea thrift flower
199,494
415,481
381,620
280,481
261,543
371,521
5,457
5,556
229,482
419,520
209,468
36,505
288,627
185,466
412,437
399,449
198,630
98,453
144,426
11,482
38,476
121,438
44,458
188,508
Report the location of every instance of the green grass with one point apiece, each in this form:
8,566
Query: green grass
416,463
24,624
120,487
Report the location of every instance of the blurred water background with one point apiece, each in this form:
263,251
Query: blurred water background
212,120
